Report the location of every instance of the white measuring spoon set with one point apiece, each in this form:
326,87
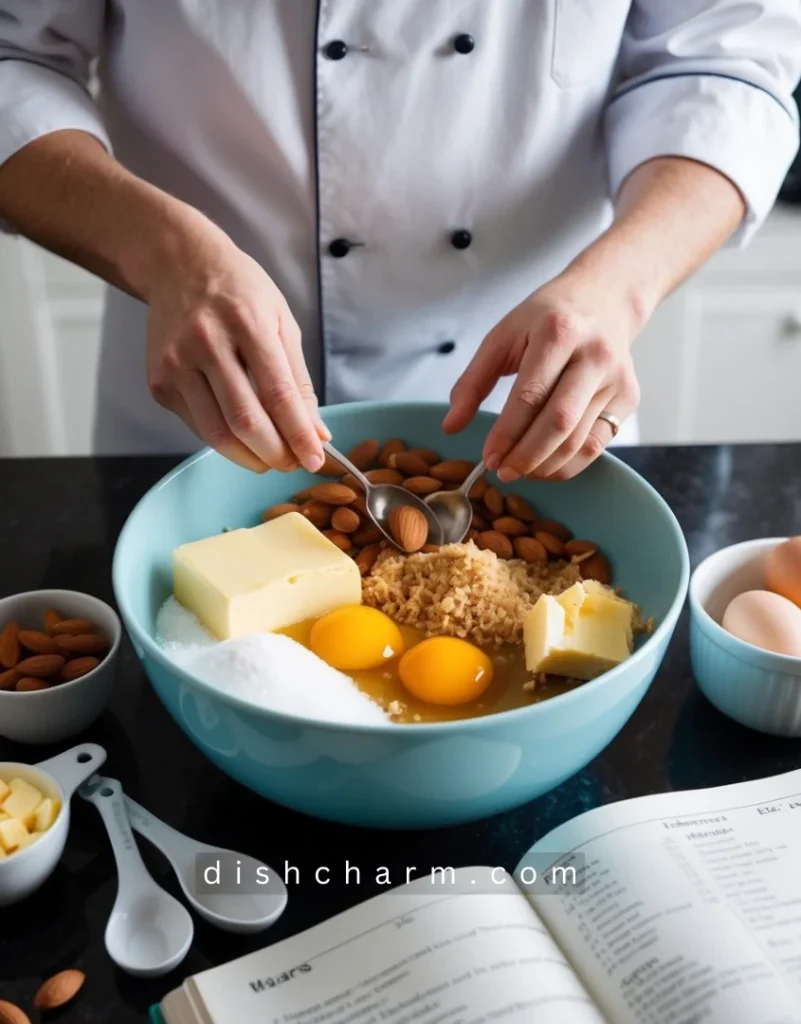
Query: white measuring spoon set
149,932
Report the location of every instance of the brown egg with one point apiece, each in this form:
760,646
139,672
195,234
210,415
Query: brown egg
783,570
765,620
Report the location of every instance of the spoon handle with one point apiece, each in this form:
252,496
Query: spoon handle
106,795
479,469
329,449
172,843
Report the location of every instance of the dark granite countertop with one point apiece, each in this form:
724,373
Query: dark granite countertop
58,523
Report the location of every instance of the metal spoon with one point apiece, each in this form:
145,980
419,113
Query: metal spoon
453,509
258,903
382,498
149,932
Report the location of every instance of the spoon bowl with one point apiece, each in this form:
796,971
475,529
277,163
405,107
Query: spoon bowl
381,499
453,509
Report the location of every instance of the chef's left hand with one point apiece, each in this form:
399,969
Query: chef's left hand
569,345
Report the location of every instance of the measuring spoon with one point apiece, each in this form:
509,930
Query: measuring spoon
149,932
261,899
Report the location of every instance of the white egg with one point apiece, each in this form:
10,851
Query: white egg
766,620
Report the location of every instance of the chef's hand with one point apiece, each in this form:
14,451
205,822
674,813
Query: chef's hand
224,354
569,347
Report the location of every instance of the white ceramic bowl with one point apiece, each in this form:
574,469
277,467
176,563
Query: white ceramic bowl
758,688
63,711
23,872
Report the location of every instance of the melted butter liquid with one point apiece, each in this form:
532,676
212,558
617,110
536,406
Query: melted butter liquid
504,693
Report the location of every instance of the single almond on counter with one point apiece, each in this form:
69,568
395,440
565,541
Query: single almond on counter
520,508
384,476
553,545
499,543
85,643
279,510
73,626
40,665
530,550
452,471
408,464
551,526
389,449
37,643
342,540
333,494
317,512
59,989
510,526
29,683
345,520
493,499
422,485
364,454
9,679
366,558
10,651
596,568
11,1014
369,534
78,667
51,619
409,527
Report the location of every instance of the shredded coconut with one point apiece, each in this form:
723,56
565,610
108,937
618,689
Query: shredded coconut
269,670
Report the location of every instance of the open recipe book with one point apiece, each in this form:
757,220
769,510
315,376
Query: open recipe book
680,908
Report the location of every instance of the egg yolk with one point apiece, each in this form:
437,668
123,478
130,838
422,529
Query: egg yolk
355,637
445,670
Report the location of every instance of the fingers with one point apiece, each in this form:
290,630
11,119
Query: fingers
290,333
557,421
486,368
579,441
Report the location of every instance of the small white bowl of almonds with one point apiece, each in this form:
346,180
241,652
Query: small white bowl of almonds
59,651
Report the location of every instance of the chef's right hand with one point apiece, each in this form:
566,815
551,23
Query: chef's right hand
224,354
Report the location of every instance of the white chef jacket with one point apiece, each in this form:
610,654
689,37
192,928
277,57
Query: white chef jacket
405,170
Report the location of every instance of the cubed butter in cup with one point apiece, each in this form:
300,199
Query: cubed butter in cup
22,801
25,813
581,633
265,578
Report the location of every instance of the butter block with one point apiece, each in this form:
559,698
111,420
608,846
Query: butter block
22,801
265,578
581,633
4,790
46,813
13,835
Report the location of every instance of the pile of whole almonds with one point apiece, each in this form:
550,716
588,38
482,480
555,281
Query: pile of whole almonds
63,650
504,523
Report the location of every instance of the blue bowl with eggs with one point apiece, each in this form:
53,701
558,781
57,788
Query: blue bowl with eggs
416,775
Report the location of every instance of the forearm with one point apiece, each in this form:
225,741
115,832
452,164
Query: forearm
67,193
672,215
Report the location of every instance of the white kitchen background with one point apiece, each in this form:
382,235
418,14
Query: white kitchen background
720,361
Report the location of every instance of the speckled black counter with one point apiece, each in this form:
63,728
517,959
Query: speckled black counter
58,524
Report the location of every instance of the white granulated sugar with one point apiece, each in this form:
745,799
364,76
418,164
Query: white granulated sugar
269,670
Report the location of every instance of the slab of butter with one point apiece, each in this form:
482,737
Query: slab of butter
581,633
263,579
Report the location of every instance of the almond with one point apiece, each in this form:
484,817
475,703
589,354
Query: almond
9,645
331,467
408,526
422,485
85,643
9,679
51,619
493,499
29,683
345,520
366,558
369,534
479,523
478,490
59,989
78,667
360,505
491,540
37,643
384,476
73,626
580,547
302,496
452,471
364,454
391,448
472,535
333,494
342,540
40,665
349,480
596,568
510,526
520,508
551,526
279,510
430,549
317,512
427,455
11,1014
553,545
530,550
408,464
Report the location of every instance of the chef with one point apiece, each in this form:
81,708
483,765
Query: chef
300,202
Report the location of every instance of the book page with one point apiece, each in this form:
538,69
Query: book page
691,909
421,954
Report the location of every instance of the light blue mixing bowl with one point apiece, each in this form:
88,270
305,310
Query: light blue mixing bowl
396,776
